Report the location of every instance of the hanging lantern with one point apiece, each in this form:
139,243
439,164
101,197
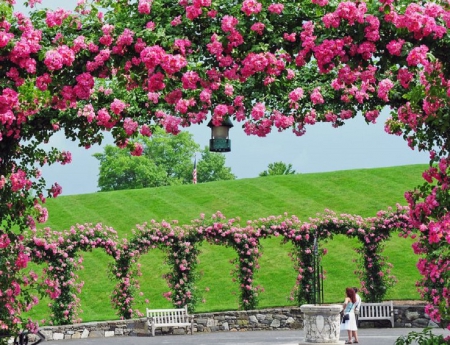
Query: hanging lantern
220,141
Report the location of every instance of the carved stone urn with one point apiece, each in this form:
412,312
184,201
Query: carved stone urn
321,324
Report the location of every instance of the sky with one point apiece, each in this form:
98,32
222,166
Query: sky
356,145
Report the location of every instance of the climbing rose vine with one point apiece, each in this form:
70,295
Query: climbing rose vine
128,66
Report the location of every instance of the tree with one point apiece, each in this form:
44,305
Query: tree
172,153
166,160
120,170
211,167
130,67
278,168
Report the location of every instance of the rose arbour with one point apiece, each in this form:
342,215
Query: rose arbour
126,67
60,252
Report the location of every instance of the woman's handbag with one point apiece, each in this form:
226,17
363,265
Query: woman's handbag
346,317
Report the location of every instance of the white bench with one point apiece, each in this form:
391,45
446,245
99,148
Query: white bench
376,312
169,318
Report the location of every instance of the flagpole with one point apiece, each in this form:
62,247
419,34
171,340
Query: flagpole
194,171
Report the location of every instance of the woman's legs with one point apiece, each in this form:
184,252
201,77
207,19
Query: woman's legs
355,335
349,333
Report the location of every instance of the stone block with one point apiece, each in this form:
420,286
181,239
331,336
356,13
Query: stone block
179,331
76,335
140,324
412,315
96,334
253,319
280,317
242,316
211,323
242,322
275,323
225,326
420,323
85,334
118,331
109,334
296,325
202,321
58,336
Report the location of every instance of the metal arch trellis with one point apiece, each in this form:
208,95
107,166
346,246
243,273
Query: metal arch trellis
318,296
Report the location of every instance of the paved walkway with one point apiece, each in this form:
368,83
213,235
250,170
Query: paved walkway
372,336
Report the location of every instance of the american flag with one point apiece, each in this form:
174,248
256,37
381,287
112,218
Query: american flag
194,172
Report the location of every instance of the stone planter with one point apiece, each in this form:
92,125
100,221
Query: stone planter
321,324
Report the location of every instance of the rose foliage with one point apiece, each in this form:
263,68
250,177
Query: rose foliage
128,66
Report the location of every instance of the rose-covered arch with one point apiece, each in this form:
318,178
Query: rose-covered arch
373,269
59,250
181,244
284,65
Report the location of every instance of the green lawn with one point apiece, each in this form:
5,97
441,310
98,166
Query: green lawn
362,192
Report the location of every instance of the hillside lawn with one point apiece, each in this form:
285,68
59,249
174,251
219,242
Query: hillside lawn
360,192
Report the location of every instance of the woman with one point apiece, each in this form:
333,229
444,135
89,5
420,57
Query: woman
349,308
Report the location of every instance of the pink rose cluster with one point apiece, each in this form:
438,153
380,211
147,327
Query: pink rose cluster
56,18
25,47
155,55
422,20
193,9
250,7
58,58
145,6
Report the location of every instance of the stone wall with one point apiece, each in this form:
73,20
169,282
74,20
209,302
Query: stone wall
230,321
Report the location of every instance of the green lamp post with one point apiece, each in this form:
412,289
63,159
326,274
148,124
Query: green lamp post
220,141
